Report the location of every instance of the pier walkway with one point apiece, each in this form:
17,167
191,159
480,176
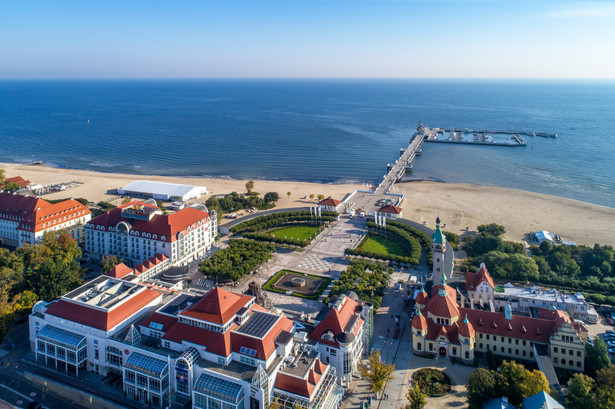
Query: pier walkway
397,171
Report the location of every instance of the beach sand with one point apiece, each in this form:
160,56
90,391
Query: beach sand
459,206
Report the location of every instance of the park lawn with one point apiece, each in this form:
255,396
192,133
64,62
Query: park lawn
383,245
296,232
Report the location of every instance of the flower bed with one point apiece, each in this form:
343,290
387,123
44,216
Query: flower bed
432,381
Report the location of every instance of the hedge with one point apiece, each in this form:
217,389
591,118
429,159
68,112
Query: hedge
270,220
423,237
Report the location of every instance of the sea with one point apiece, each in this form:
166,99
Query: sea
330,131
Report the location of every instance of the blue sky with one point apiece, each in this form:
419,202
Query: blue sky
307,38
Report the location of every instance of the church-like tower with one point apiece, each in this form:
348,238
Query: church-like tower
438,248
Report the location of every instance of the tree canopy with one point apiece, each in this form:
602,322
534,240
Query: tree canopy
377,372
239,258
44,271
491,229
596,357
416,397
511,379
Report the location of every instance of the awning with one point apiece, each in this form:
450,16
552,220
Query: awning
61,337
146,364
218,388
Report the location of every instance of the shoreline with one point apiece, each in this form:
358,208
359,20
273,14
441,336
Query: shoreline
460,206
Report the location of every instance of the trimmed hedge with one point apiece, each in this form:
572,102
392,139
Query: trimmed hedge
270,220
423,237
401,236
270,238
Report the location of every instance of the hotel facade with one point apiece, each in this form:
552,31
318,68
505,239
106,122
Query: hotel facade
138,231
25,219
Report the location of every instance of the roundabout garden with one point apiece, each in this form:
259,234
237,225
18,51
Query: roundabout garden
432,382
298,284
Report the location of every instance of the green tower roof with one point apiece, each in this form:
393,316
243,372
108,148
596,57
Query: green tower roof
438,237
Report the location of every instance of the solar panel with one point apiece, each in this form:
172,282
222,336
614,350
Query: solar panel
258,324
247,351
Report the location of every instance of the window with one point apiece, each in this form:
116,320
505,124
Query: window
578,353
480,346
130,376
578,364
221,361
555,349
247,360
333,352
418,346
555,360
570,352
467,355
141,380
96,355
454,351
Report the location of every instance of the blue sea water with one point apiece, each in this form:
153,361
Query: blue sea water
316,130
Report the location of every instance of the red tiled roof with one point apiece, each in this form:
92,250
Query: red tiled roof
215,342
320,367
167,321
32,213
161,225
100,319
390,209
422,297
264,347
466,329
217,306
444,306
474,279
119,271
335,321
536,329
450,332
329,202
419,322
293,384
19,180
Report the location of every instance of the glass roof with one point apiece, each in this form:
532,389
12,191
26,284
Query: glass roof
61,337
146,364
191,355
219,388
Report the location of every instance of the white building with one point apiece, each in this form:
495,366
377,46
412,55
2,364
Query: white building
25,219
162,190
344,335
218,350
138,231
390,212
522,299
330,204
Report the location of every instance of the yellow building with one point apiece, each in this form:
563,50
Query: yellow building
441,327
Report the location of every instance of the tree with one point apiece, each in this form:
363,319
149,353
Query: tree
108,262
51,268
320,197
580,391
271,197
481,387
249,186
377,372
416,397
606,377
312,195
491,229
516,382
11,187
596,357
288,194
2,176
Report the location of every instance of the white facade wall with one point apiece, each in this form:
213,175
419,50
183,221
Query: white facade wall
10,234
138,247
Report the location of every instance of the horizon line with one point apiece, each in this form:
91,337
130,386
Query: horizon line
128,78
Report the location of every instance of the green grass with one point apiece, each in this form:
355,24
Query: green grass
383,245
296,232
268,286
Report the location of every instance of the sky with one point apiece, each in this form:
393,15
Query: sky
307,38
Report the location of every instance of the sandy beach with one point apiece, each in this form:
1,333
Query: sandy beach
460,206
